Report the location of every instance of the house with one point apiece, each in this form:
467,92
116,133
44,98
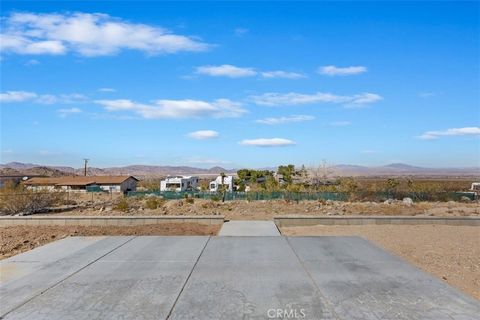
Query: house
11,179
83,183
475,187
179,183
227,182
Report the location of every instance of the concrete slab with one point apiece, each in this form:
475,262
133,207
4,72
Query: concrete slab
249,228
223,278
22,264
249,278
18,290
363,281
140,280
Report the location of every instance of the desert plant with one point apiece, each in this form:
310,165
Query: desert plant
391,184
18,200
153,203
215,198
348,185
122,205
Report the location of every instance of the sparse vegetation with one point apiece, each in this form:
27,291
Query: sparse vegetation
153,203
122,205
14,199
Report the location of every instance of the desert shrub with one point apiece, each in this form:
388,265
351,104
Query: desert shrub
18,200
122,205
391,184
215,198
153,203
295,188
348,185
189,198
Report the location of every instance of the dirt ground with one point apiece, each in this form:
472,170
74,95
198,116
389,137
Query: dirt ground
261,210
452,253
15,240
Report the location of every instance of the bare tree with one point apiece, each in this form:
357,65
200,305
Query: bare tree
320,175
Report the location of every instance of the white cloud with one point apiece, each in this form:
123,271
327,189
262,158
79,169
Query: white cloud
23,96
240,31
282,74
65,112
426,94
363,99
283,120
32,62
292,98
231,71
48,153
226,70
107,90
341,71
340,123
467,131
16,96
220,108
267,142
206,161
88,34
203,134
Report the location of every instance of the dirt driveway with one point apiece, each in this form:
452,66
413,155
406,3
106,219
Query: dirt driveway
15,240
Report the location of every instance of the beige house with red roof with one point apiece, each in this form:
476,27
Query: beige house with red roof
81,183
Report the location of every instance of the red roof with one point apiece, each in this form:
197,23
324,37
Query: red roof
78,180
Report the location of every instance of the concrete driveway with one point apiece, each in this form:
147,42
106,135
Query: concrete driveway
222,278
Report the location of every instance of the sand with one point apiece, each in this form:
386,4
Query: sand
15,240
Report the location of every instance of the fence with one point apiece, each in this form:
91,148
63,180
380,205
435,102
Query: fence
297,196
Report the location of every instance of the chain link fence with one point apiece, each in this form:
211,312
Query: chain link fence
298,196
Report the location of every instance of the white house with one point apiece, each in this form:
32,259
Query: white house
475,187
83,183
216,184
179,183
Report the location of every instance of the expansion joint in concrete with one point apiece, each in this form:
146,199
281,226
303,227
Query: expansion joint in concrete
317,288
188,278
67,277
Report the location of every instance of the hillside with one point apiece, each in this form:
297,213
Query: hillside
141,171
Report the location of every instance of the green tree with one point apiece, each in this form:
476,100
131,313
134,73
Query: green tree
287,172
348,185
391,184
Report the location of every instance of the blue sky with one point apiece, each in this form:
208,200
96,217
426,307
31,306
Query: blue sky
240,84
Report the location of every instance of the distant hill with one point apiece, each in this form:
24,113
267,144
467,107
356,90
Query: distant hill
134,170
143,171
32,171
401,169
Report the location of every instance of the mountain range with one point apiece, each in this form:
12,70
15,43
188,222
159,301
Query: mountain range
144,171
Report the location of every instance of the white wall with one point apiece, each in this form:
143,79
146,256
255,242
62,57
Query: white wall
227,181
185,184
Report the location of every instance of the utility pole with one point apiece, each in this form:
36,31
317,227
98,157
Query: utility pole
85,167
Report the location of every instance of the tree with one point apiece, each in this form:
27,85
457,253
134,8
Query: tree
223,188
348,185
392,184
287,172
319,175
